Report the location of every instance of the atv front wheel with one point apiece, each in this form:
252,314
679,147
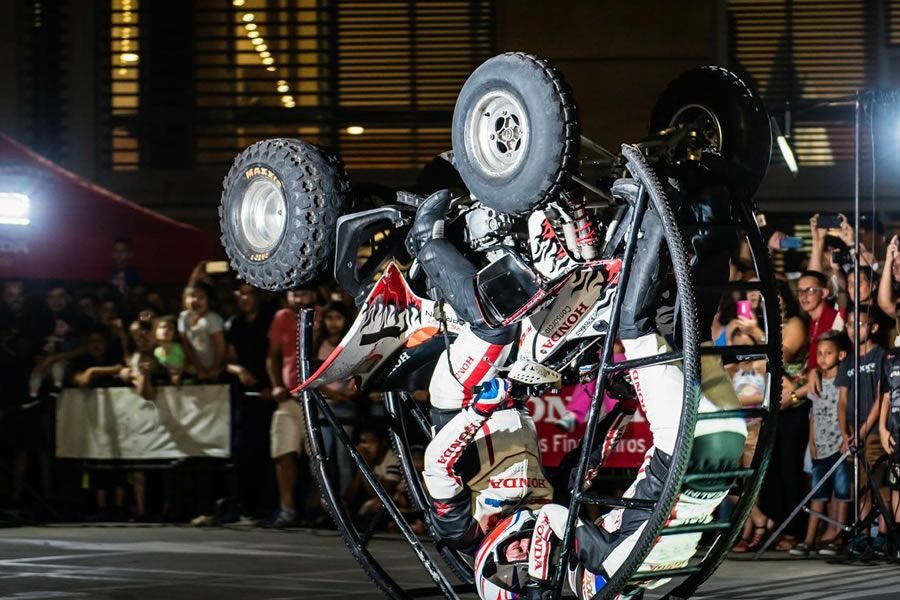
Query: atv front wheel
516,134
280,203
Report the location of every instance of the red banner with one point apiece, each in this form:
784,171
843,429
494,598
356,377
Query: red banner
555,442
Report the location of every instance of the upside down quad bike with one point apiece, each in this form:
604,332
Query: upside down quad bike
554,219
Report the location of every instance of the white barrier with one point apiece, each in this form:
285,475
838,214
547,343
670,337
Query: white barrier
117,423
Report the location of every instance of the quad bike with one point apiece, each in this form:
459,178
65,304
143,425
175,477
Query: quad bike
547,213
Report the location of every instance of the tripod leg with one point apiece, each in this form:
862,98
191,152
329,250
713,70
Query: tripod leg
800,506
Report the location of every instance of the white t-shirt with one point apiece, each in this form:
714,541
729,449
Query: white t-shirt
199,335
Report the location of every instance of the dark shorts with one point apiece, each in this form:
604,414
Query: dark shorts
839,482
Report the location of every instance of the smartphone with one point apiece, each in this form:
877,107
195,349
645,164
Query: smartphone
842,257
744,310
828,221
217,266
791,243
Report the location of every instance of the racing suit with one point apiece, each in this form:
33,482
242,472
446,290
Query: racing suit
468,498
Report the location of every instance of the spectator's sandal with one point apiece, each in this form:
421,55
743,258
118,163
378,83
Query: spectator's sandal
753,544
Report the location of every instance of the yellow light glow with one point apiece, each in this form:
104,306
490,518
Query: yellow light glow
237,2
287,98
261,48
281,82
355,130
129,57
256,41
250,26
268,60
265,54
248,17
252,34
283,88
271,69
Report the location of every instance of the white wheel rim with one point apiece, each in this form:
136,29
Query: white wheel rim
706,121
497,133
262,214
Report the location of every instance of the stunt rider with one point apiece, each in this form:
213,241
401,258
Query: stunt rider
512,551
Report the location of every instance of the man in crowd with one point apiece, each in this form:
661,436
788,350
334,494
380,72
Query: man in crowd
287,434
248,345
22,336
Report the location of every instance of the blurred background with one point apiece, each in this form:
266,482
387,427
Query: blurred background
152,99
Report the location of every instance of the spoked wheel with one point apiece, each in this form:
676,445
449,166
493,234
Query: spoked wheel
691,470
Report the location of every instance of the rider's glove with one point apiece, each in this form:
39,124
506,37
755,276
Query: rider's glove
429,223
494,394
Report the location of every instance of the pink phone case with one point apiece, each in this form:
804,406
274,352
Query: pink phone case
743,309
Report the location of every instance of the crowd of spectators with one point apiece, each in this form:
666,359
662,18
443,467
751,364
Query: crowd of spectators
817,409
219,330
125,333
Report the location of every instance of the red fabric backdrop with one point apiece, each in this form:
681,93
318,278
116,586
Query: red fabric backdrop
74,223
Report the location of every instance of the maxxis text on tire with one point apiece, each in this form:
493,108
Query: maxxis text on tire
516,133
746,131
280,203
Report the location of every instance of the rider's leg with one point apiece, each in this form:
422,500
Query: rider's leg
471,360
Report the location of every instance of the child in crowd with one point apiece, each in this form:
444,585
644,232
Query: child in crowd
203,332
168,351
825,450
95,368
143,369
872,362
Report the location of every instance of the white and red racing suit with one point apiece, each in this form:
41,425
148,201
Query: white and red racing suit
503,472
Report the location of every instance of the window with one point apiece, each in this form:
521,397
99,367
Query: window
807,50
376,81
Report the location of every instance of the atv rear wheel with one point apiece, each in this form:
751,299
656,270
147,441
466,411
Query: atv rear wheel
729,118
280,203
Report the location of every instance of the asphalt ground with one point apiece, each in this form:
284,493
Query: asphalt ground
171,562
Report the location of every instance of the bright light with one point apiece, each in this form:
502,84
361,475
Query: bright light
268,60
129,57
283,88
265,54
787,154
256,41
248,17
262,48
271,69
355,130
14,208
252,34
287,99
237,2
250,26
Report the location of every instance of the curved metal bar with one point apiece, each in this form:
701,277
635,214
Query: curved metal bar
596,401
723,544
314,404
